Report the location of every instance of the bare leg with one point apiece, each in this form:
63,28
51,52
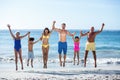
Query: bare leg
86,53
28,62
94,54
64,60
20,56
60,60
32,63
47,50
44,52
45,61
16,59
78,57
74,57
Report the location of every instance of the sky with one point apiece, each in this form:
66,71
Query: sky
77,14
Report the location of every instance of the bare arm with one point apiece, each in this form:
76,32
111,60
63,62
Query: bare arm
25,35
41,37
68,33
11,31
80,34
28,37
73,36
53,27
36,41
51,31
85,34
100,29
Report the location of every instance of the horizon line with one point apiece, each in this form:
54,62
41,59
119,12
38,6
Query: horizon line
66,29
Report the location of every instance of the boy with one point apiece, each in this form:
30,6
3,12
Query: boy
30,50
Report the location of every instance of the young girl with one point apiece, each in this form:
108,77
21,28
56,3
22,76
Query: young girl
76,47
17,46
45,45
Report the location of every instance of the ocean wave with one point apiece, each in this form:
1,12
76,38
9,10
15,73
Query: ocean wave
68,60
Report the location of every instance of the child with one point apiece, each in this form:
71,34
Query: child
76,47
45,45
30,49
17,46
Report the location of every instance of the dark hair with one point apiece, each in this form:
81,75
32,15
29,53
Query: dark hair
31,39
76,37
64,24
46,29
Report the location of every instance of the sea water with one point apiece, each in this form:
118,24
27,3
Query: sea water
107,47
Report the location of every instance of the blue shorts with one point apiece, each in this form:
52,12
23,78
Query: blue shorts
30,55
62,46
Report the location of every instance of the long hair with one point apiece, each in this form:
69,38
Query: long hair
46,29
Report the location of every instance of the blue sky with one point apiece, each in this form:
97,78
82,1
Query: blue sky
77,14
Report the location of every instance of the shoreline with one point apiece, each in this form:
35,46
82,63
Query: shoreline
54,72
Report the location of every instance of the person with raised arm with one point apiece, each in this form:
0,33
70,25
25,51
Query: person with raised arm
45,45
76,40
17,46
90,45
31,42
62,44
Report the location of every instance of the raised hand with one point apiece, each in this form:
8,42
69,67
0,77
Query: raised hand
53,26
8,25
10,31
54,22
74,33
80,32
28,32
103,24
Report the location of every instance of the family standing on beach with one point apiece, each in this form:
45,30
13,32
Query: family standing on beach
62,45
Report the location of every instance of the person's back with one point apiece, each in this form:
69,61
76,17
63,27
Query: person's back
30,46
30,50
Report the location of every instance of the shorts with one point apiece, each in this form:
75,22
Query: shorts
62,46
30,55
90,46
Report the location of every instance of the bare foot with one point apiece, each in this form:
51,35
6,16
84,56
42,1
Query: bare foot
27,64
74,63
32,65
16,68
95,65
84,65
64,64
61,64
22,68
45,65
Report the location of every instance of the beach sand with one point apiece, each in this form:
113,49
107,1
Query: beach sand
54,72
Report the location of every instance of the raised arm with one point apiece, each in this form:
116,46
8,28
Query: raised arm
53,27
68,33
41,37
28,37
73,36
85,34
80,34
11,31
36,41
100,29
25,35
51,30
